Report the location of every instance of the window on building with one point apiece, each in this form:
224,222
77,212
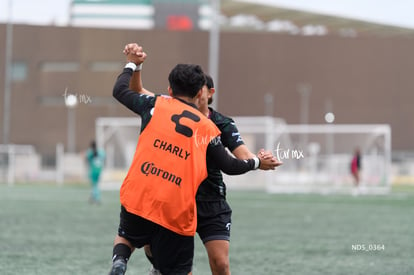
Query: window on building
59,66
106,66
19,71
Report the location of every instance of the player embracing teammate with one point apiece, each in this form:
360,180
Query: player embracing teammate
159,214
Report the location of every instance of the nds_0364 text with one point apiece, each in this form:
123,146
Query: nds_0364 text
368,247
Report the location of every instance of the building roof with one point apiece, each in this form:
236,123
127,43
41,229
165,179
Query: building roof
288,18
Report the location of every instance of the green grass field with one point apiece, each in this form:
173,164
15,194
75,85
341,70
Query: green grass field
46,229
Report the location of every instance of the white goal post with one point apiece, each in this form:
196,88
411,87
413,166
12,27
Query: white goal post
118,136
18,162
316,158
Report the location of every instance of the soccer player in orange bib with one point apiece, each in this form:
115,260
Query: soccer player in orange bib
158,194
213,211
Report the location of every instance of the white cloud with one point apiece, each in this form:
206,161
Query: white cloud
396,12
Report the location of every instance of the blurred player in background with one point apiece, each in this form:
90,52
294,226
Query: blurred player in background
158,193
356,166
95,159
213,211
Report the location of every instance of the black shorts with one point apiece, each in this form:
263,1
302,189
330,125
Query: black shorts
172,253
213,220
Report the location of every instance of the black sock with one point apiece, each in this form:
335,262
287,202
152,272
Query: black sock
121,251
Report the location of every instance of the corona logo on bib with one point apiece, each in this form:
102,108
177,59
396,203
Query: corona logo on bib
149,168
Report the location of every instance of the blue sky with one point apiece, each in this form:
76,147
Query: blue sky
391,12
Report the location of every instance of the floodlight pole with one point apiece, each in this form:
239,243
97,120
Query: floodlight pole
7,77
71,130
304,91
268,103
330,139
71,101
214,45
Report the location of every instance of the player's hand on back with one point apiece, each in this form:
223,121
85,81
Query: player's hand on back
267,160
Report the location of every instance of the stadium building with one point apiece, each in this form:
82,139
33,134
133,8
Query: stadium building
361,77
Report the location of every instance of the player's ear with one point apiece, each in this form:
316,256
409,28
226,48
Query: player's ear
170,91
211,92
199,94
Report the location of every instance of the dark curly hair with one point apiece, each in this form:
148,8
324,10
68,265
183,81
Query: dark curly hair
209,84
186,80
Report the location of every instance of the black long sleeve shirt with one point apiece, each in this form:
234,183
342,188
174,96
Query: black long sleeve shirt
143,104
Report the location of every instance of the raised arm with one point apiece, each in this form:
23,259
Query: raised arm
136,84
136,81
137,103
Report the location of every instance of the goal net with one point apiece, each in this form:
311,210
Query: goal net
18,163
316,158
118,136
